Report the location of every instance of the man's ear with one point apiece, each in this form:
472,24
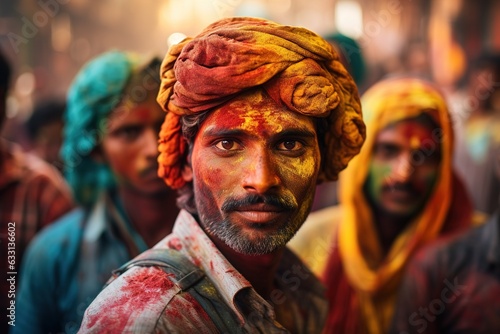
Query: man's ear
187,173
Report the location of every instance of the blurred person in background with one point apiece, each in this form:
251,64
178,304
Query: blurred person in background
110,152
477,128
453,286
45,130
32,194
398,194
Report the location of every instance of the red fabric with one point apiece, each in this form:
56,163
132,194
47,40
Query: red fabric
32,195
343,315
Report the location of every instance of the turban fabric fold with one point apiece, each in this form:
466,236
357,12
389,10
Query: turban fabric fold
296,67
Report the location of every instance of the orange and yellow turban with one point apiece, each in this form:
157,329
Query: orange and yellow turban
296,67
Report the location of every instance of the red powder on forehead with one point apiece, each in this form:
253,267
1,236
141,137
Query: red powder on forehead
139,289
143,113
229,117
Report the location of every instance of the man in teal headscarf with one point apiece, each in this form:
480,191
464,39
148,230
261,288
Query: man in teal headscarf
110,161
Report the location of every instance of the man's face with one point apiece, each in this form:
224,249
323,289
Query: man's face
130,146
255,166
404,168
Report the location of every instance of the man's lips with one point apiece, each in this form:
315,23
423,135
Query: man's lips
401,193
259,213
149,173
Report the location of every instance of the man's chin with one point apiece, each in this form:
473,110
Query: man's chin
254,243
401,212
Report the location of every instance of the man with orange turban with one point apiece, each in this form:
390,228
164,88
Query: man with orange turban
397,195
257,114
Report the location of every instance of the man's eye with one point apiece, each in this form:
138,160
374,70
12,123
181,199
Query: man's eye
386,151
227,145
289,145
128,133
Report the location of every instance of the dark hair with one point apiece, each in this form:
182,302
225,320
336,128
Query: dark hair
191,125
46,112
5,73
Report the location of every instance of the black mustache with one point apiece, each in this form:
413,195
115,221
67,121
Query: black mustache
232,204
148,170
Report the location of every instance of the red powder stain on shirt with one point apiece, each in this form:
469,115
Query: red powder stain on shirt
211,265
139,289
196,261
185,309
174,244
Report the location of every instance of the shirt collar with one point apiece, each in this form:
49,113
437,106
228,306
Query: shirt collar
203,253
190,239
104,217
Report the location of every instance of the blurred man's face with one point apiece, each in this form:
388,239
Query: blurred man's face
255,166
404,168
48,141
130,146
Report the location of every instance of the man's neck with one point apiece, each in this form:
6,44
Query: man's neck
389,227
259,270
152,217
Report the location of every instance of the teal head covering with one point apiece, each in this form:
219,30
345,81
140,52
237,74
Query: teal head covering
94,93
351,55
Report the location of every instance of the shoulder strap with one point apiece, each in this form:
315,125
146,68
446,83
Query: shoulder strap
186,273
189,279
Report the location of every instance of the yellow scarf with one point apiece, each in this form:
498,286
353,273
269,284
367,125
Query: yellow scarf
376,277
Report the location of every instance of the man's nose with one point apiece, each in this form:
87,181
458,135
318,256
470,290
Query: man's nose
150,142
261,172
404,168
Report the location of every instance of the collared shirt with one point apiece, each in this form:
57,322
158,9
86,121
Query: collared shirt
32,195
453,287
140,288
67,265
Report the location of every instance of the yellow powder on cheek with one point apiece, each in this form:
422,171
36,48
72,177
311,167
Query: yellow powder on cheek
302,168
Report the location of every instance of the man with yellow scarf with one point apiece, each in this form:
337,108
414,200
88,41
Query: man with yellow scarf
398,194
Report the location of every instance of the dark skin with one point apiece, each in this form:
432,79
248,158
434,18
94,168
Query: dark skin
403,171
253,147
130,149
148,214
